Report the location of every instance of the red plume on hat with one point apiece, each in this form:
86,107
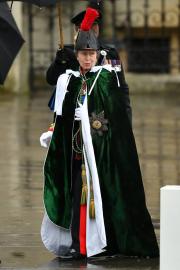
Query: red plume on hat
89,18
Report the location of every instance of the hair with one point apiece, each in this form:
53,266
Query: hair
97,51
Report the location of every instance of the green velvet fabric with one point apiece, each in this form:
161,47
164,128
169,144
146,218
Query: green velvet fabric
128,225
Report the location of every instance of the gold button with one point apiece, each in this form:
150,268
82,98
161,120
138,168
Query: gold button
96,124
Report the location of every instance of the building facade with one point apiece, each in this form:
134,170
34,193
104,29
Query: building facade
145,32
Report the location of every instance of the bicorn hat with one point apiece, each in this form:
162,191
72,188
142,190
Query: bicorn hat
86,38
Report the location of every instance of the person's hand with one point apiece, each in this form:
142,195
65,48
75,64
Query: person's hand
46,138
65,55
78,112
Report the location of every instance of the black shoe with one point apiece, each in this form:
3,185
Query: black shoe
72,254
102,256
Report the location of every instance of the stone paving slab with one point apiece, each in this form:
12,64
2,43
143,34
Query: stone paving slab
21,161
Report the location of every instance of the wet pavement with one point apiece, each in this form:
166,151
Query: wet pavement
156,122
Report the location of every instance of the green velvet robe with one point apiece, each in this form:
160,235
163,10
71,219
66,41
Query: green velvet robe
128,225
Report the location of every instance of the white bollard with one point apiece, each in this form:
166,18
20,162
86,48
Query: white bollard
170,228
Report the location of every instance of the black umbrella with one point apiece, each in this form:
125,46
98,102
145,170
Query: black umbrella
41,3
10,40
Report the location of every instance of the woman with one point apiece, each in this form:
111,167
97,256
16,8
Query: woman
93,194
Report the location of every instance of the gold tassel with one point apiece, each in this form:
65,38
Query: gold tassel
84,185
92,205
84,193
92,209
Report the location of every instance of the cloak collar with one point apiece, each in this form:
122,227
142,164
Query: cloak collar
95,69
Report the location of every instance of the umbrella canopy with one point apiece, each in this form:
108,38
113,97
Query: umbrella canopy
10,40
40,3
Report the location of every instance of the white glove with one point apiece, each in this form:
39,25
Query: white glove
46,138
78,112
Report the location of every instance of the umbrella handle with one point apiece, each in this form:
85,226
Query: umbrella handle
61,43
11,6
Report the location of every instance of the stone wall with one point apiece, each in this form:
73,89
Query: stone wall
151,83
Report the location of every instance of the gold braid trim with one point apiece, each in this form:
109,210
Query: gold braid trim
84,186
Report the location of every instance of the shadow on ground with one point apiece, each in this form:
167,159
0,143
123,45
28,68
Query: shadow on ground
104,263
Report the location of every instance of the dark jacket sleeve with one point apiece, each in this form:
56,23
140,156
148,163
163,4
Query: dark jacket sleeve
113,55
125,93
55,70
65,59
94,4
